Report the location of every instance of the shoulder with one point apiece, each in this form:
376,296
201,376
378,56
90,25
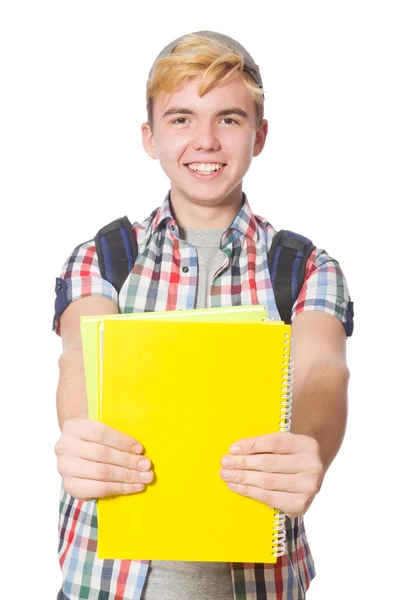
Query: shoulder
82,258
325,289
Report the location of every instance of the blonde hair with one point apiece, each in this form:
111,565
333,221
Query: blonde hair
198,56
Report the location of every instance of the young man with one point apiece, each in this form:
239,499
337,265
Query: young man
202,247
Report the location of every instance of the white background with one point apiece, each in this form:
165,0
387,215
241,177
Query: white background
73,78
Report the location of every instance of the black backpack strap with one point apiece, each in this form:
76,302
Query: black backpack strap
117,251
287,263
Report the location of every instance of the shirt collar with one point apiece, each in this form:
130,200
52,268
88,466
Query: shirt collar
244,222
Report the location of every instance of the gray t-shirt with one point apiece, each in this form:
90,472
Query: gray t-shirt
175,579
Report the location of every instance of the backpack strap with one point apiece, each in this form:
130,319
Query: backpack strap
287,260
117,251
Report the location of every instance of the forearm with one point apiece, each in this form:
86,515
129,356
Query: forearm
319,409
71,397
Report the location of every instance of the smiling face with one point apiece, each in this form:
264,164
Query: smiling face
217,128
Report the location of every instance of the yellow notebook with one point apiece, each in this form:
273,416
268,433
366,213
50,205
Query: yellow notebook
187,390
252,313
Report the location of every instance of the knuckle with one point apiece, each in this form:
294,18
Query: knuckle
318,470
310,484
315,468
272,444
101,435
264,496
238,476
301,504
57,446
269,463
103,453
317,484
68,485
69,425
107,489
128,488
313,445
243,489
61,466
128,461
269,481
242,462
104,472
263,462
278,441
129,475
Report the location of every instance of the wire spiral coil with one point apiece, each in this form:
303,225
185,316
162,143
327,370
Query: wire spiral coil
279,532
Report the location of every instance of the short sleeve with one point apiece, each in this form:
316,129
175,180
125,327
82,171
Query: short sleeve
80,277
325,288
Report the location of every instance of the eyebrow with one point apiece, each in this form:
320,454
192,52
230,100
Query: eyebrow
235,110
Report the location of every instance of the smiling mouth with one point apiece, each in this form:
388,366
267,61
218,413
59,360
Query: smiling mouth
211,172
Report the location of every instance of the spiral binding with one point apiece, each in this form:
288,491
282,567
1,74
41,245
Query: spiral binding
279,533
287,383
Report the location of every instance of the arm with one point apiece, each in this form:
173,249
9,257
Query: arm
94,460
286,470
320,384
71,392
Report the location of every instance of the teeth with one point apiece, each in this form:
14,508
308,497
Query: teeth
206,167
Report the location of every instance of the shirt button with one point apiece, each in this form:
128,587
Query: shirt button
185,269
60,288
172,228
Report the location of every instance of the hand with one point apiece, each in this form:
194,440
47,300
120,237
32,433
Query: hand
283,470
96,460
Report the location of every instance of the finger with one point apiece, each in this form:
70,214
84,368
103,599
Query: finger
277,443
71,466
72,446
85,489
276,482
95,431
289,503
270,463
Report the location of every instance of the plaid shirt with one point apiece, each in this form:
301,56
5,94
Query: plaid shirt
164,277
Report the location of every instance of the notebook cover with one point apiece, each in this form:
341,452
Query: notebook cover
187,391
89,335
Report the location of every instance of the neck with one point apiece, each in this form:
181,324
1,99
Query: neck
197,213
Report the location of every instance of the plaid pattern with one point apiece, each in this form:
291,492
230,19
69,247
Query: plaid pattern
159,281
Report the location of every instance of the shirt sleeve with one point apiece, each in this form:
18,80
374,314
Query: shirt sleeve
325,288
80,277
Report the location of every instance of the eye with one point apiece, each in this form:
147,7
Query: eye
184,119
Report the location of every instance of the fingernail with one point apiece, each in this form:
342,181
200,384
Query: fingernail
227,462
144,464
235,449
145,476
137,449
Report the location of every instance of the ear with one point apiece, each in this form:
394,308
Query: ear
260,138
148,141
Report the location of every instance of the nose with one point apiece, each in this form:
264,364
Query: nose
205,137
